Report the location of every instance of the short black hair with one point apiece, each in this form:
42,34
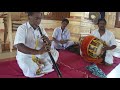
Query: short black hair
102,19
30,13
65,20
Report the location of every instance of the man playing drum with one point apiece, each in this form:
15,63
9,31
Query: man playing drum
108,37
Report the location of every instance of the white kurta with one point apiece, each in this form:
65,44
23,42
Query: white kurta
109,38
27,35
59,35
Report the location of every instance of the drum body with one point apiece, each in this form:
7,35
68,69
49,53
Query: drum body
91,48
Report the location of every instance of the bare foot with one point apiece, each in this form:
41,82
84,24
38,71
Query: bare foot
108,64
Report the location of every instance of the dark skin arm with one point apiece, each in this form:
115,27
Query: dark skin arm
24,49
46,46
61,41
109,48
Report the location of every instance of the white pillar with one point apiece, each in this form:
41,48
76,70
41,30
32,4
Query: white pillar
110,18
0,46
10,30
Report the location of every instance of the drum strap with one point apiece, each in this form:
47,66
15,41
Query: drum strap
36,45
36,60
103,57
33,56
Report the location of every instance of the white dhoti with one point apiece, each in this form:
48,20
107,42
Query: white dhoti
109,39
61,46
109,57
29,67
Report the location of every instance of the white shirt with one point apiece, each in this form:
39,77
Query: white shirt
27,35
108,37
59,35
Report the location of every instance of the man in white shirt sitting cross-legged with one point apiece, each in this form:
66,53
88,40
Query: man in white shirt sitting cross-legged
61,36
32,56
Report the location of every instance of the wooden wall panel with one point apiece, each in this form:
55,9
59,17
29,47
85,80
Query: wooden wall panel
117,22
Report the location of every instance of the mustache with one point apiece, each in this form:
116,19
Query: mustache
102,26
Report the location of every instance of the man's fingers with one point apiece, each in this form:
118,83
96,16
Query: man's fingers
44,37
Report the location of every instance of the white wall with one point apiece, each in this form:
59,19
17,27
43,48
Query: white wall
1,23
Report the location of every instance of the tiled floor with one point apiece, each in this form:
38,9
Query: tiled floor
7,54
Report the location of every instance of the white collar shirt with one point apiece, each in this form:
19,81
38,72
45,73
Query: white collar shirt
27,35
108,37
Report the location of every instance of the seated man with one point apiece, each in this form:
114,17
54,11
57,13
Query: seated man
61,36
32,56
108,37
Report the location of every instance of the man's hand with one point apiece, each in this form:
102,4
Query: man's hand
109,47
45,48
46,40
63,41
76,43
105,48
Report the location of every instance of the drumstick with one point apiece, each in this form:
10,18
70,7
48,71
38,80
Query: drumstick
52,59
